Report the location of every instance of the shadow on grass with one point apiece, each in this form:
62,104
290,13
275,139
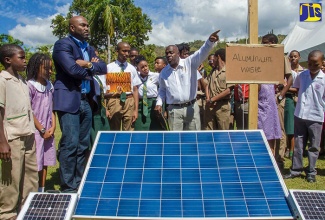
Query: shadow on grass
53,180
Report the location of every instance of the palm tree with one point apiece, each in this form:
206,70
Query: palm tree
103,17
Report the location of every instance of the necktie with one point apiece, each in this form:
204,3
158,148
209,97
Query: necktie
145,99
240,92
123,94
122,67
85,84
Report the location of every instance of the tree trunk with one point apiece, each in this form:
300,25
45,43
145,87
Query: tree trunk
108,49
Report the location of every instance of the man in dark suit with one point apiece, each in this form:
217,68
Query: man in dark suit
76,63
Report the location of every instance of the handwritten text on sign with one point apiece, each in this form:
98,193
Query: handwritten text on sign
254,63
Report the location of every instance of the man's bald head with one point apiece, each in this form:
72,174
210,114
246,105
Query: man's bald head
123,51
172,55
79,27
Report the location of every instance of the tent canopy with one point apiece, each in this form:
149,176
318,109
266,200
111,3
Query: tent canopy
305,40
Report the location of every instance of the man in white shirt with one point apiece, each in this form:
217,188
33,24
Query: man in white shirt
123,107
178,86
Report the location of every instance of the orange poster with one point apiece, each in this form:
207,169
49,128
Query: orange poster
118,79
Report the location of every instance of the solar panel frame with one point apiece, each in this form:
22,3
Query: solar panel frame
229,137
48,206
307,204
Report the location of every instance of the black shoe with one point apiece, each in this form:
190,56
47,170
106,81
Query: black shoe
290,176
311,178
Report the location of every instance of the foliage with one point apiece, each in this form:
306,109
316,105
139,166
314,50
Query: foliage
113,20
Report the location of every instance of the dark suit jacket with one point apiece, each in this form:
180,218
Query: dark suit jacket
67,86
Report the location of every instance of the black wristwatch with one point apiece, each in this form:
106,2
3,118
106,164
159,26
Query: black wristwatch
43,130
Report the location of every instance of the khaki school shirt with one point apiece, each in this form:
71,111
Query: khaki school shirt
14,98
217,83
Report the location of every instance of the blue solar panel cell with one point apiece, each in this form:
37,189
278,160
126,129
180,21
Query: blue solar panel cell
93,190
215,208
153,162
171,208
236,208
182,175
190,176
154,149
150,208
171,191
206,149
137,149
107,207
104,148
189,149
96,175
212,191
223,148
100,161
111,190
135,161
114,175
192,208
152,176
151,191
133,175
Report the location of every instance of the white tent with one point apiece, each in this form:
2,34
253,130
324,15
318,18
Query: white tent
305,40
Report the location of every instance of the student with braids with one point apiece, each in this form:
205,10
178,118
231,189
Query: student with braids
41,90
18,172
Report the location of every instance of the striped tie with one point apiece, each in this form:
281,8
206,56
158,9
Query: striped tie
145,99
240,92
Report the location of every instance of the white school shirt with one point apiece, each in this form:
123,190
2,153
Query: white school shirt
311,96
115,67
179,85
152,85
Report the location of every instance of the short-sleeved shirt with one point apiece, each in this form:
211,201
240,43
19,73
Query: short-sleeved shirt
217,83
14,98
311,96
115,67
152,85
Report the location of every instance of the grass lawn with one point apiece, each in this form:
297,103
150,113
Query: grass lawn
53,179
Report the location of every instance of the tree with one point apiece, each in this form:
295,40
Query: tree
113,20
8,39
103,18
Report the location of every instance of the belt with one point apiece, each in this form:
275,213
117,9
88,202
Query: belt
118,97
153,98
185,104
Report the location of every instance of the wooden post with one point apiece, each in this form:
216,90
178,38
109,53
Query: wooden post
253,39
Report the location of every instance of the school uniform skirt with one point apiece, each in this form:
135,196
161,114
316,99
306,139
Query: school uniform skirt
149,122
289,109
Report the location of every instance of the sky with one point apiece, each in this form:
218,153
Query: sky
173,21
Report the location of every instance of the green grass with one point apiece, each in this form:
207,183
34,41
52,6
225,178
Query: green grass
53,179
301,183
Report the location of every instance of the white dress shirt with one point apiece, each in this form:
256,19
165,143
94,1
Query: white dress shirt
311,96
152,85
115,67
179,85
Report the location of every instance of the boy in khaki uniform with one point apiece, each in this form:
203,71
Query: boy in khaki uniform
218,109
17,146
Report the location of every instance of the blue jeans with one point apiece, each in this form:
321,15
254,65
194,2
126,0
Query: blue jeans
73,146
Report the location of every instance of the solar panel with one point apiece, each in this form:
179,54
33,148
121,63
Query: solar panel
47,206
203,174
307,204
